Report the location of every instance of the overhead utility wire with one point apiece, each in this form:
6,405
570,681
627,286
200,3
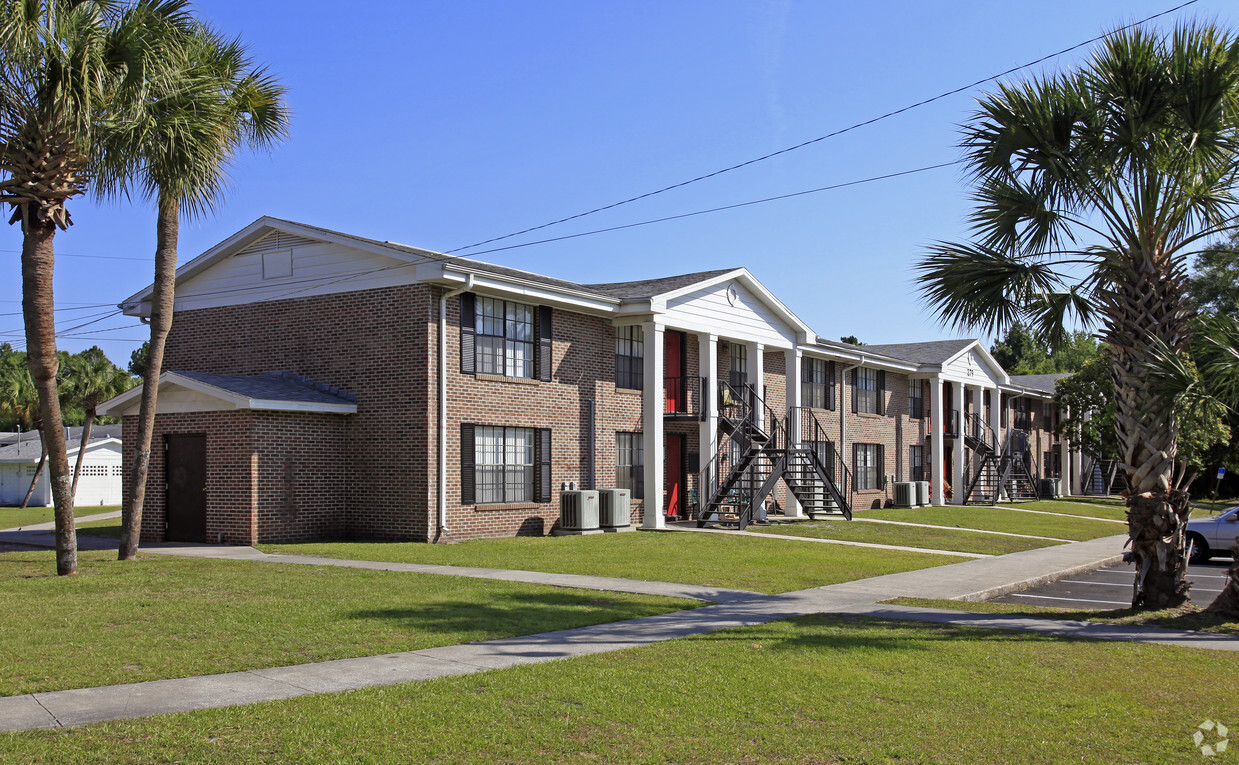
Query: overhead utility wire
810,142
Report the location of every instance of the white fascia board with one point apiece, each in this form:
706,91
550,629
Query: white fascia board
139,304
534,292
1017,390
743,276
277,405
864,359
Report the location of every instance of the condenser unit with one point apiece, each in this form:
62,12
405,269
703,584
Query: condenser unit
922,493
905,494
614,508
578,510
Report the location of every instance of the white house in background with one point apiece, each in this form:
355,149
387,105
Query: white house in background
99,484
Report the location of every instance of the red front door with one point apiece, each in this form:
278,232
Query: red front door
673,360
673,474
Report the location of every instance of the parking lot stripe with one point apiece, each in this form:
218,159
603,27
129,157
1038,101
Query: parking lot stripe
1072,600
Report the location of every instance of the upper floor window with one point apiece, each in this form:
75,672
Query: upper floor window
916,398
867,390
738,365
629,357
501,337
817,383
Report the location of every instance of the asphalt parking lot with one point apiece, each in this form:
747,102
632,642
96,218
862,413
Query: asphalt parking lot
1110,588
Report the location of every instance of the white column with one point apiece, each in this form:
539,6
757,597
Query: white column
793,360
995,416
1069,470
707,353
652,426
957,480
757,378
937,460
1078,460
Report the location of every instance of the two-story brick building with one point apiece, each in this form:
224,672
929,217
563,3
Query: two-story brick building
321,384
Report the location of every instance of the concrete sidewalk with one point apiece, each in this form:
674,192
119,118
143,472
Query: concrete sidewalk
969,580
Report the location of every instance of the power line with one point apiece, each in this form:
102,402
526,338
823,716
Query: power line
812,141
97,257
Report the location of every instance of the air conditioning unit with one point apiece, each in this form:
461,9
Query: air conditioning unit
578,510
1050,488
614,508
922,493
905,494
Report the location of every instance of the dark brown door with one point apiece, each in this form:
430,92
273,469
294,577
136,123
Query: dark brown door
186,501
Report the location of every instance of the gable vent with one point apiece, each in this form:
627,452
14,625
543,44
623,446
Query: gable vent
277,240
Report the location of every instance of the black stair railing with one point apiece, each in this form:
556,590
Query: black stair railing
822,449
682,397
978,435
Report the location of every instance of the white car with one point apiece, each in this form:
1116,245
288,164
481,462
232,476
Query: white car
1213,535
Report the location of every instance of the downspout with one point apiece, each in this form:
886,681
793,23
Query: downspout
843,412
441,516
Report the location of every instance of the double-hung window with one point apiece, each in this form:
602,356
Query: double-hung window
916,398
629,357
501,465
504,338
817,388
916,464
630,464
868,464
867,390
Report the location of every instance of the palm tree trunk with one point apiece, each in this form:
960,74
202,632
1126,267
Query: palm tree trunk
38,259
38,471
162,298
81,449
1149,304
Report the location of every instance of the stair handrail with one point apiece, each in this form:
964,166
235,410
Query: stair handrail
838,472
981,431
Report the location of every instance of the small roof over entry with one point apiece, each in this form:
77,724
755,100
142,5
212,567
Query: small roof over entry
203,392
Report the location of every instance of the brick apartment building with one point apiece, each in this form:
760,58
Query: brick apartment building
326,385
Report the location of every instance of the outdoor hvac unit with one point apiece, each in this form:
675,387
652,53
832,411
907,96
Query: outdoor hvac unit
615,508
905,494
1050,488
578,510
922,493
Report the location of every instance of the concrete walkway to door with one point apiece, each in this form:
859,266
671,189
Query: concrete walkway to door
970,580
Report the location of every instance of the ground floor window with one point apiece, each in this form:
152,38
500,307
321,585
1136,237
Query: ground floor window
867,469
630,464
501,465
916,464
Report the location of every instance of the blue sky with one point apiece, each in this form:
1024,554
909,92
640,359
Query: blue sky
448,123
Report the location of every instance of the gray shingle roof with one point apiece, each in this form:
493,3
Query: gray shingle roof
616,290
648,288
933,352
274,386
30,447
1043,383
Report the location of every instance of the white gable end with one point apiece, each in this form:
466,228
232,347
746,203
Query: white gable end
280,266
971,368
729,310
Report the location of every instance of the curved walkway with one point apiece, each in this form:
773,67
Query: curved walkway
970,580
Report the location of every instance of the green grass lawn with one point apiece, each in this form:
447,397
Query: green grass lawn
172,617
1109,510
716,560
106,528
12,517
908,536
995,519
822,689
1190,617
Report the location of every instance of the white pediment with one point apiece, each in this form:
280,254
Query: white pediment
729,309
973,366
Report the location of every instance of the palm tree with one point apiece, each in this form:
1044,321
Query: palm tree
19,404
217,103
64,67
1092,189
89,380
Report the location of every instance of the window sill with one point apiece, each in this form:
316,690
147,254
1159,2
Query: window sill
513,506
506,379
628,391
871,415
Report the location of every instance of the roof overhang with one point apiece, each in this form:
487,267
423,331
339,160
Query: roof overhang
190,395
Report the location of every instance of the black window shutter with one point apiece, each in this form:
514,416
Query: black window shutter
468,478
881,392
881,459
855,391
468,322
545,359
832,393
542,461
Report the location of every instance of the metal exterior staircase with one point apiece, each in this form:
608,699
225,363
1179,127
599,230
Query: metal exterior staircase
753,458
1101,474
999,477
